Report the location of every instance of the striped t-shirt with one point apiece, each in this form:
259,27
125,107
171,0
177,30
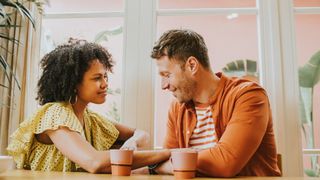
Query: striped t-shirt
204,135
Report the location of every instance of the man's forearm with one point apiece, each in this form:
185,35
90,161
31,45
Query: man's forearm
165,168
145,158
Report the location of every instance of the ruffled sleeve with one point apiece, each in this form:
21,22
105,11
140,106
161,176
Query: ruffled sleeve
49,117
103,131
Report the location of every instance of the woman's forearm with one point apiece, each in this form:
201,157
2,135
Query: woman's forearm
140,159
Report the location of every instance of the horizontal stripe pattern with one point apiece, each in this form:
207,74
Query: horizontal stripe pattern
204,135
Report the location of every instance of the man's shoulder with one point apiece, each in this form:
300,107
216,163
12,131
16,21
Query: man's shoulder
241,86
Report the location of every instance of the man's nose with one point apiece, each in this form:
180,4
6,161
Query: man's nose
164,84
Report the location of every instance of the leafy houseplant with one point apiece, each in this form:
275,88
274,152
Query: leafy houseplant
10,13
309,76
242,68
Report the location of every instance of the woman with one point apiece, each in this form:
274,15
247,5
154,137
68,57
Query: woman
64,135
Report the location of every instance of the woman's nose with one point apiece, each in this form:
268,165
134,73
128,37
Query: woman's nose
104,84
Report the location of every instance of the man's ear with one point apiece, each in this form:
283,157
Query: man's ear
192,64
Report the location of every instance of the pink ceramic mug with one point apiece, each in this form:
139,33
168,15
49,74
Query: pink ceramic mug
6,163
121,162
184,163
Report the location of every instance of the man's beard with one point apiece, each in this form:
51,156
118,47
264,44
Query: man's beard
186,90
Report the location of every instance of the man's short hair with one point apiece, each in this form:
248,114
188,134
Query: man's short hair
180,44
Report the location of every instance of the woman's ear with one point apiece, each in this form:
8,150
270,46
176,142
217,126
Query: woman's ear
192,64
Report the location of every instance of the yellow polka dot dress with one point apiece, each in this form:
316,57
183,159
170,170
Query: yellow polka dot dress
28,153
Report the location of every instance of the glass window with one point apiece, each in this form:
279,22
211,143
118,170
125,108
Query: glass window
308,53
180,4
231,42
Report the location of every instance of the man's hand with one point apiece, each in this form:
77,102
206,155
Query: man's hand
165,168
143,170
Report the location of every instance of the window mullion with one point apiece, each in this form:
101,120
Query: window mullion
137,65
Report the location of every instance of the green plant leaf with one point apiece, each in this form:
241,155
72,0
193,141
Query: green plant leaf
241,67
9,25
5,49
103,35
306,105
310,172
21,9
3,64
2,85
6,68
1,7
309,74
3,36
27,13
6,20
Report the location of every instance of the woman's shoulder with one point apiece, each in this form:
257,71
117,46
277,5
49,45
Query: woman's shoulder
58,107
52,115
48,117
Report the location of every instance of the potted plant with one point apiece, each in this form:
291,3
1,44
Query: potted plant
10,12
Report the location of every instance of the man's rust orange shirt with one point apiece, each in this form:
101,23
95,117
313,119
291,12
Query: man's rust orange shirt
246,144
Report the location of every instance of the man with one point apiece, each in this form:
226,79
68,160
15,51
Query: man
228,119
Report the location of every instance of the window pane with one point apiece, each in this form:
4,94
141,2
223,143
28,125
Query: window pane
64,6
180,4
228,40
58,31
308,53
308,160
307,3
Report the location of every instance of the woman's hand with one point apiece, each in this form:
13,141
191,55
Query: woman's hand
139,140
130,144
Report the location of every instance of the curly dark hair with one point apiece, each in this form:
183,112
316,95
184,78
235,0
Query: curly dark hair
180,44
64,67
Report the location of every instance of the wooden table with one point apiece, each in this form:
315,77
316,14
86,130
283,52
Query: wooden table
25,174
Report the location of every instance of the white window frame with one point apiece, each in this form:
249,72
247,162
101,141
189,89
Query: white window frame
278,57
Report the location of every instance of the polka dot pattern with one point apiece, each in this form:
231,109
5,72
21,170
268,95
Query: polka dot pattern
28,153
